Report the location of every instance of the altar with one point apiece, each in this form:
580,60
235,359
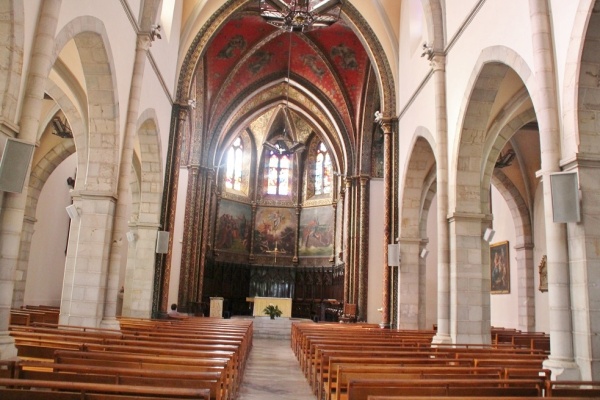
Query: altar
284,304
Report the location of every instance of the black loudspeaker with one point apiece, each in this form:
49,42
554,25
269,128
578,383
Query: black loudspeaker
162,242
565,197
14,165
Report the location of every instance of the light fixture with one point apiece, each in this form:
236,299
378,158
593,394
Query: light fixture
61,128
300,15
424,253
285,144
504,160
488,235
130,237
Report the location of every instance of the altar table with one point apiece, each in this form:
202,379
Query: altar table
284,304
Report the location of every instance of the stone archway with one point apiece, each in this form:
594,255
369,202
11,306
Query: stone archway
144,222
96,185
415,197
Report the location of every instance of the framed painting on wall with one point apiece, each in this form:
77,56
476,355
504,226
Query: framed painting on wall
500,268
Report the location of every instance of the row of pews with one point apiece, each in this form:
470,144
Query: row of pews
192,358
364,362
30,314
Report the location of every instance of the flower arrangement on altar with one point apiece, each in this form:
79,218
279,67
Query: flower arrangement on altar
272,311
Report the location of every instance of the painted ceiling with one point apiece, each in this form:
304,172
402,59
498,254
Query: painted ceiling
248,54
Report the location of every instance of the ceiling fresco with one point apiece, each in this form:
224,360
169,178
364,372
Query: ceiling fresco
247,54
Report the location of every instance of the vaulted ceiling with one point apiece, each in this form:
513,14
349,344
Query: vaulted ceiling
248,54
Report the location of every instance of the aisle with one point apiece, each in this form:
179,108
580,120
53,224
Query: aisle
272,372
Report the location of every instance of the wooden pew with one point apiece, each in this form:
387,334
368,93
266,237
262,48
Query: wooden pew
575,389
212,380
361,389
346,372
26,389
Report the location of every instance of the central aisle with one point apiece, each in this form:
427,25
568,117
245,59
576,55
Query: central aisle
273,373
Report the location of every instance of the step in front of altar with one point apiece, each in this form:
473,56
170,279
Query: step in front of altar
278,328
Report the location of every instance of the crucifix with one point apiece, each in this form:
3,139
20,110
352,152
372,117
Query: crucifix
275,251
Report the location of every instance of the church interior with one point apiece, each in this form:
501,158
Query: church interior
365,165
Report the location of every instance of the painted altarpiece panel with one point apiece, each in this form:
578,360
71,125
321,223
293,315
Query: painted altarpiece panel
316,230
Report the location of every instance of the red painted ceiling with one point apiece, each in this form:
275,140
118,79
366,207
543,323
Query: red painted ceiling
241,54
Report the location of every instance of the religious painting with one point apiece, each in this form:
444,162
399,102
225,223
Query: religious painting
543,270
233,227
275,231
316,230
500,268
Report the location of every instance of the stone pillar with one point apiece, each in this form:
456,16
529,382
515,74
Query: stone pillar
118,241
561,360
139,278
346,240
162,271
209,190
23,262
408,284
189,262
469,282
438,64
13,204
363,263
387,189
525,286
86,269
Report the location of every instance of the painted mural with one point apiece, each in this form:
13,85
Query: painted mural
316,230
275,231
233,227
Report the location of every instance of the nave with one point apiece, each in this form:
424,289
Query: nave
273,373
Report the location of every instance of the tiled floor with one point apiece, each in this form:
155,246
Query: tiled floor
272,372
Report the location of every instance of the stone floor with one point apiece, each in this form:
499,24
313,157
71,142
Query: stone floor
272,372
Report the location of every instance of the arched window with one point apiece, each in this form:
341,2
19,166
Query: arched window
233,179
278,173
323,171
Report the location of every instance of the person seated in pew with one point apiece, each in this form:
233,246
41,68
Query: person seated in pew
173,313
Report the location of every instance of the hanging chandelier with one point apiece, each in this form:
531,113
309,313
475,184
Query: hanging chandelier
300,15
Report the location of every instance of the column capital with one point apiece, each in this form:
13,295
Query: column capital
144,41
438,62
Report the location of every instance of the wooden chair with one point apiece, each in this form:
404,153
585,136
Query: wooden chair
349,313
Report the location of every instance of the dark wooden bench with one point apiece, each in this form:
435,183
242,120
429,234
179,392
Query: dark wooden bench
361,389
26,389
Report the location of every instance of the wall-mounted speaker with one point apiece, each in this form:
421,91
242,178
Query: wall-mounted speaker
162,242
488,235
14,165
393,255
72,211
424,253
565,197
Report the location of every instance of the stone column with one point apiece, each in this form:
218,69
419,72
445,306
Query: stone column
86,266
119,243
525,271
408,284
13,204
469,282
438,64
561,360
163,264
387,189
187,281
346,240
363,269
23,262
139,278
210,189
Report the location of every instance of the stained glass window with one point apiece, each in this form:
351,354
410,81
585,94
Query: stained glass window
235,153
278,174
323,170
